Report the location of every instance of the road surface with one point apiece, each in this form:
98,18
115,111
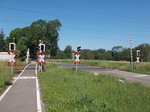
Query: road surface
129,76
23,95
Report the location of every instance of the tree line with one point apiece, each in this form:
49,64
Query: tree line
117,53
28,37
48,31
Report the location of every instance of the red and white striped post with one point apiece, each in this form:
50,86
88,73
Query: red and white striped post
77,60
131,54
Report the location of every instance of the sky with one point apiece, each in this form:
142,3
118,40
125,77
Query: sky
92,24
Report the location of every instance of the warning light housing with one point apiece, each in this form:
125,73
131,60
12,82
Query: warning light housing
78,48
12,47
138,53
42,48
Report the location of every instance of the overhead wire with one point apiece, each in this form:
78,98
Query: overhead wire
104,18
46,4
73,27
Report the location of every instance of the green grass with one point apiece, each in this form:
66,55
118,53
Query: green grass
107,64
141,68
144,67
60,60
64,90
6,75
19,67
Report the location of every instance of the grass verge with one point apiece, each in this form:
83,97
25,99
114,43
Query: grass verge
65,90
6,75
121,65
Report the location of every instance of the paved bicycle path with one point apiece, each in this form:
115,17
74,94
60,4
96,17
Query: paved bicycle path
23,94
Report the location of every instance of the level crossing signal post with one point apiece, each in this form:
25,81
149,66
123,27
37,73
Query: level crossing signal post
77,57
12,52
41,56
137,58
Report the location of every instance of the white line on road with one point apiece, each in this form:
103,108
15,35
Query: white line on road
39,108
6,91
141,75
24,77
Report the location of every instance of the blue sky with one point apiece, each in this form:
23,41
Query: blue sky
93,24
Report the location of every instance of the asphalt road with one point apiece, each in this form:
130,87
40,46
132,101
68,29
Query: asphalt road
21,96
128,76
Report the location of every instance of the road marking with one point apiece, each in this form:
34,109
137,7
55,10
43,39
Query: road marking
39,108
6,91
24,77
141,75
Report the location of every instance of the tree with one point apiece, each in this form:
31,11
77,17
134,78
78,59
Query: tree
22,48
107,55
51,35
15,35
32,35
60,54
87,54
68,52
125,54
116,50
98,54
2,41
145,51
39,23
38,30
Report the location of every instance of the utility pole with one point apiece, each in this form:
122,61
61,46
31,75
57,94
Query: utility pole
131,54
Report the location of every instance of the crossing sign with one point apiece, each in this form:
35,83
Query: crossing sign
12,53
41,56
12,58
77,60
77,56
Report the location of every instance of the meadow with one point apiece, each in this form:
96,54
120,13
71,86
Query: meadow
64,90
6,75
143,67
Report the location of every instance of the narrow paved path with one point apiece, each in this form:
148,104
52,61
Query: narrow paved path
23,95
129,76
